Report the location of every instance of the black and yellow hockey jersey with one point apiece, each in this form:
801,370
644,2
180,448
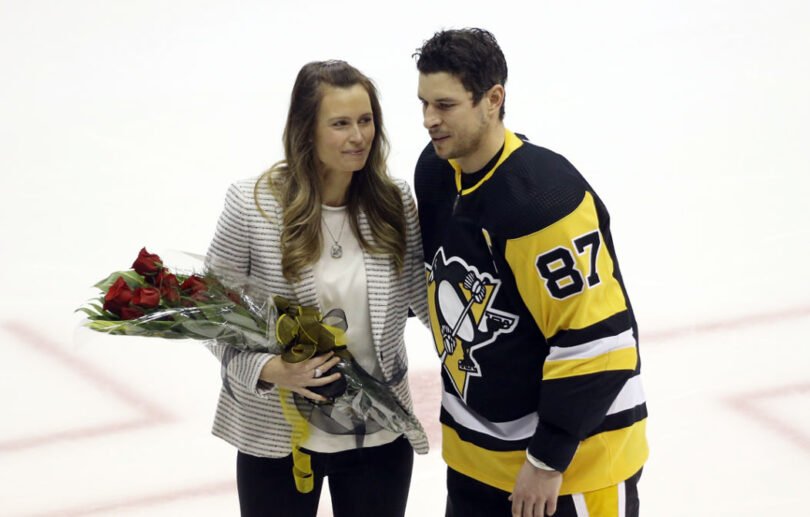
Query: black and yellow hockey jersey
531,320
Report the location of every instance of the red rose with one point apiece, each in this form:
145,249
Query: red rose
193,285
118,296
131,312
147,264
234,297
146,297
169,286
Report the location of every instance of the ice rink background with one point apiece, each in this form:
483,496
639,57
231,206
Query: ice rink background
122,124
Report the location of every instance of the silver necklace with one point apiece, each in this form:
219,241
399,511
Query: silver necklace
337,250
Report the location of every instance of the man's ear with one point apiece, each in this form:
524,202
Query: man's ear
495,96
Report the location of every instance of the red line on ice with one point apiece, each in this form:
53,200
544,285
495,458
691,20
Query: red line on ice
750,405
151,414
108,508
751,320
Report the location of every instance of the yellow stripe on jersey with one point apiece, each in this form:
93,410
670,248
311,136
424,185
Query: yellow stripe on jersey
571,295
510,144
624,449
494,468
602,460
621,359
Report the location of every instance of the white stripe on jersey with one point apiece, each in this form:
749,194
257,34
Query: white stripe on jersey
519,429
622,499
631,395
593,348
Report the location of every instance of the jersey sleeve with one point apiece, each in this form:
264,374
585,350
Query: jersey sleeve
565,276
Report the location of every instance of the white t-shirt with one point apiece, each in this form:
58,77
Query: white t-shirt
341,284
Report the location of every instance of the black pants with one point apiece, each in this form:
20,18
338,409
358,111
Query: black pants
467,497
367,481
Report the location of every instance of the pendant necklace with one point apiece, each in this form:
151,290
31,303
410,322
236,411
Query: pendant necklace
337,250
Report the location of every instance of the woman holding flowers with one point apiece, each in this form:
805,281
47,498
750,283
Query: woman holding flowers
327,227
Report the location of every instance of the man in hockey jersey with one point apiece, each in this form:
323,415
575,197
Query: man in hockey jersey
542,406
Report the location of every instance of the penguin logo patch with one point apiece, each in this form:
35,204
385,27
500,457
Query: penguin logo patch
463,319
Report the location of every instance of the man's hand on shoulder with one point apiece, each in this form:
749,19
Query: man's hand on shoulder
536,491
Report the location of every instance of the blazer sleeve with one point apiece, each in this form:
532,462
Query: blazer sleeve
414,258
228,257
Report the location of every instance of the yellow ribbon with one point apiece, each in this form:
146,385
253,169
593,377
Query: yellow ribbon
302,463
304,333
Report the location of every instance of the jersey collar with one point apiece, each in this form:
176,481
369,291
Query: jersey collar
511,143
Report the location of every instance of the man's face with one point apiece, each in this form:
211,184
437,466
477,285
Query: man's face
455,125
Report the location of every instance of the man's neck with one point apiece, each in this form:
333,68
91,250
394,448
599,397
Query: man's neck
491,143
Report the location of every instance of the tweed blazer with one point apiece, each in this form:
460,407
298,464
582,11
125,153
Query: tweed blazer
248,243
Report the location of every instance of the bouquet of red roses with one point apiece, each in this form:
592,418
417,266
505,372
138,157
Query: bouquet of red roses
152,301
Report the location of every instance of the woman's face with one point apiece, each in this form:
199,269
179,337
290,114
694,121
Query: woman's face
344,129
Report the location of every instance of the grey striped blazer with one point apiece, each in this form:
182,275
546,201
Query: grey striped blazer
248,243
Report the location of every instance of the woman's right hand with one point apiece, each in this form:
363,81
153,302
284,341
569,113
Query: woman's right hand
297,377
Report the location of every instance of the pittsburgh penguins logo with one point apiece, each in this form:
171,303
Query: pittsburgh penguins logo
463,319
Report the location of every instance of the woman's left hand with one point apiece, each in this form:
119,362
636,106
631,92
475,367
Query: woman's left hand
297,377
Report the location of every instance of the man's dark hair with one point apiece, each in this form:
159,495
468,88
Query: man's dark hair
471,55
